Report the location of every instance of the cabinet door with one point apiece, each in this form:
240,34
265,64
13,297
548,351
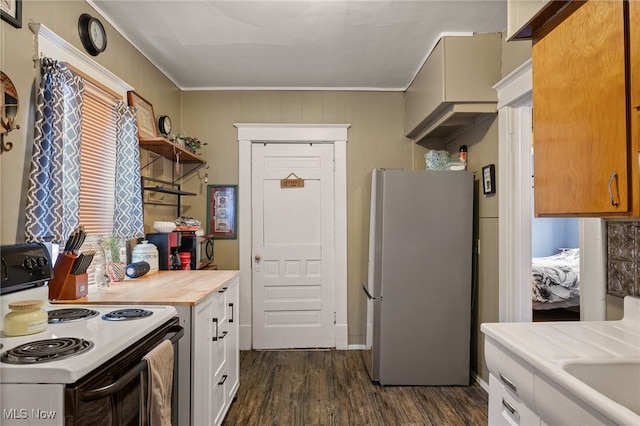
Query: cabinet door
233,340
580,135
506,409
634,44
221,331
220,376
202,375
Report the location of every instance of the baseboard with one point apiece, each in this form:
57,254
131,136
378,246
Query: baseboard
356,347
341,337
245,337
484,385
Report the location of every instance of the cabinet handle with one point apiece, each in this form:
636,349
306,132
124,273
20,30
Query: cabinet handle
224,379
508,383
231,318
614,203
512,410
215,337
223,289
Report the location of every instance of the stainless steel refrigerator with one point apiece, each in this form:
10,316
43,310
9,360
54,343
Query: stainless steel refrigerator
420,277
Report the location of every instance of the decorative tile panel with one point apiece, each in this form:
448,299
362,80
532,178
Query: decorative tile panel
623,258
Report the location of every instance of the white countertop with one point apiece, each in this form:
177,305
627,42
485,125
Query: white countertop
549,346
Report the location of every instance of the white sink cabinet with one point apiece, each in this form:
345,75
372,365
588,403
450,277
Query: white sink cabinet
521,395
560,373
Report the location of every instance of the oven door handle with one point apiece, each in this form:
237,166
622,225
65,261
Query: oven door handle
94,394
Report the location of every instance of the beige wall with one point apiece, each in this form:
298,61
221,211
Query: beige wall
375,139
482,145
16,61
514,54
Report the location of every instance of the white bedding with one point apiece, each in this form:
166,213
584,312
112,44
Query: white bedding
556,280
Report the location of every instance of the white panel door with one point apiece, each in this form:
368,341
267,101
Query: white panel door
293,246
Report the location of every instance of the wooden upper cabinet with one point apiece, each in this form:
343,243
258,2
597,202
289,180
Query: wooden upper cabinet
634,40
582,147
634,57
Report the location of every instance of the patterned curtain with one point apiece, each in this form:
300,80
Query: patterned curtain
127,216
53,196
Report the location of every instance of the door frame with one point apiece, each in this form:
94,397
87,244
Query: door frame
335,134
515,212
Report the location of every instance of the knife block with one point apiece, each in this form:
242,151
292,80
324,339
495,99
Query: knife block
65,285
74,287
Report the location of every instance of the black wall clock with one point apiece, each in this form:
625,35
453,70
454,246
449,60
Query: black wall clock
92,34
164,125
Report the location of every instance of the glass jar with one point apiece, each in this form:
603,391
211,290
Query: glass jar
146,252
26,317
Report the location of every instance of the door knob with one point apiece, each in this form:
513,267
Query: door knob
257,258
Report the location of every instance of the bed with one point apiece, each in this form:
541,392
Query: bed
556,280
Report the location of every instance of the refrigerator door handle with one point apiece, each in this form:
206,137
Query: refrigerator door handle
369,294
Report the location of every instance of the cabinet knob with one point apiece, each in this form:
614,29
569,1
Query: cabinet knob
257,257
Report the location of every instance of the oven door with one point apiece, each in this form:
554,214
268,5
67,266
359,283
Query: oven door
115,393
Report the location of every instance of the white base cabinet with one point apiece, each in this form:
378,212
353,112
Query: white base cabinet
519,394
209,359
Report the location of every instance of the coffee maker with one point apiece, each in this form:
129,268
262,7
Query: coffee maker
168,245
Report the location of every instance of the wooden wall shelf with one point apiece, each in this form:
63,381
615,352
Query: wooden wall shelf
168,149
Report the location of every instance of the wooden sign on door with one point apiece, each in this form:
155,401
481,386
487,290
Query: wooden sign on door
289,182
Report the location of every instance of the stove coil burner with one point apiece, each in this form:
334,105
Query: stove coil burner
46,350
70,314
126,314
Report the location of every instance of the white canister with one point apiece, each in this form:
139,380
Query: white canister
146,252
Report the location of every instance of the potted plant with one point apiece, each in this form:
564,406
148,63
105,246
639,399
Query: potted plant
115,266
191,143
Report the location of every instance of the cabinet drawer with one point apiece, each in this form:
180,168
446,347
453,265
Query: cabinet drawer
506,409
218,397
515,374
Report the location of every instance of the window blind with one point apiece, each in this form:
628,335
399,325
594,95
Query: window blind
98,161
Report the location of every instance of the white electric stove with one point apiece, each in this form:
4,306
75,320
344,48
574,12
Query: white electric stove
86,370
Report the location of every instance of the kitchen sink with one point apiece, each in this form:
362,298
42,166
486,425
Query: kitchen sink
620,382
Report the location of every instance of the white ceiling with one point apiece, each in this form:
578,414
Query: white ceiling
295,44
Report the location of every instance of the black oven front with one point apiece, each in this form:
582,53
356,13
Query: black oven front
113,394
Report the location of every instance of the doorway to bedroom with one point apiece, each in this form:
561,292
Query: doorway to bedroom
555,269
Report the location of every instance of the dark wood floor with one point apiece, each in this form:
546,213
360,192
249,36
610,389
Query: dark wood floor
333,388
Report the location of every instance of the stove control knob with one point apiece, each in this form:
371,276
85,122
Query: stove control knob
42,262
29,263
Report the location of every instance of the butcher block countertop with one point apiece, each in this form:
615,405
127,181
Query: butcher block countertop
176,288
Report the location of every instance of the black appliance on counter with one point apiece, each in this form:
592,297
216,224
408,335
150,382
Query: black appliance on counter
168,245
201,249
171,243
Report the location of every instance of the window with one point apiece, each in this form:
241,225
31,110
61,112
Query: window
98,149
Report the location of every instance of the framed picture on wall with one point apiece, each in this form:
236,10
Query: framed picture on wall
222,211
489,179
144,115
11,11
